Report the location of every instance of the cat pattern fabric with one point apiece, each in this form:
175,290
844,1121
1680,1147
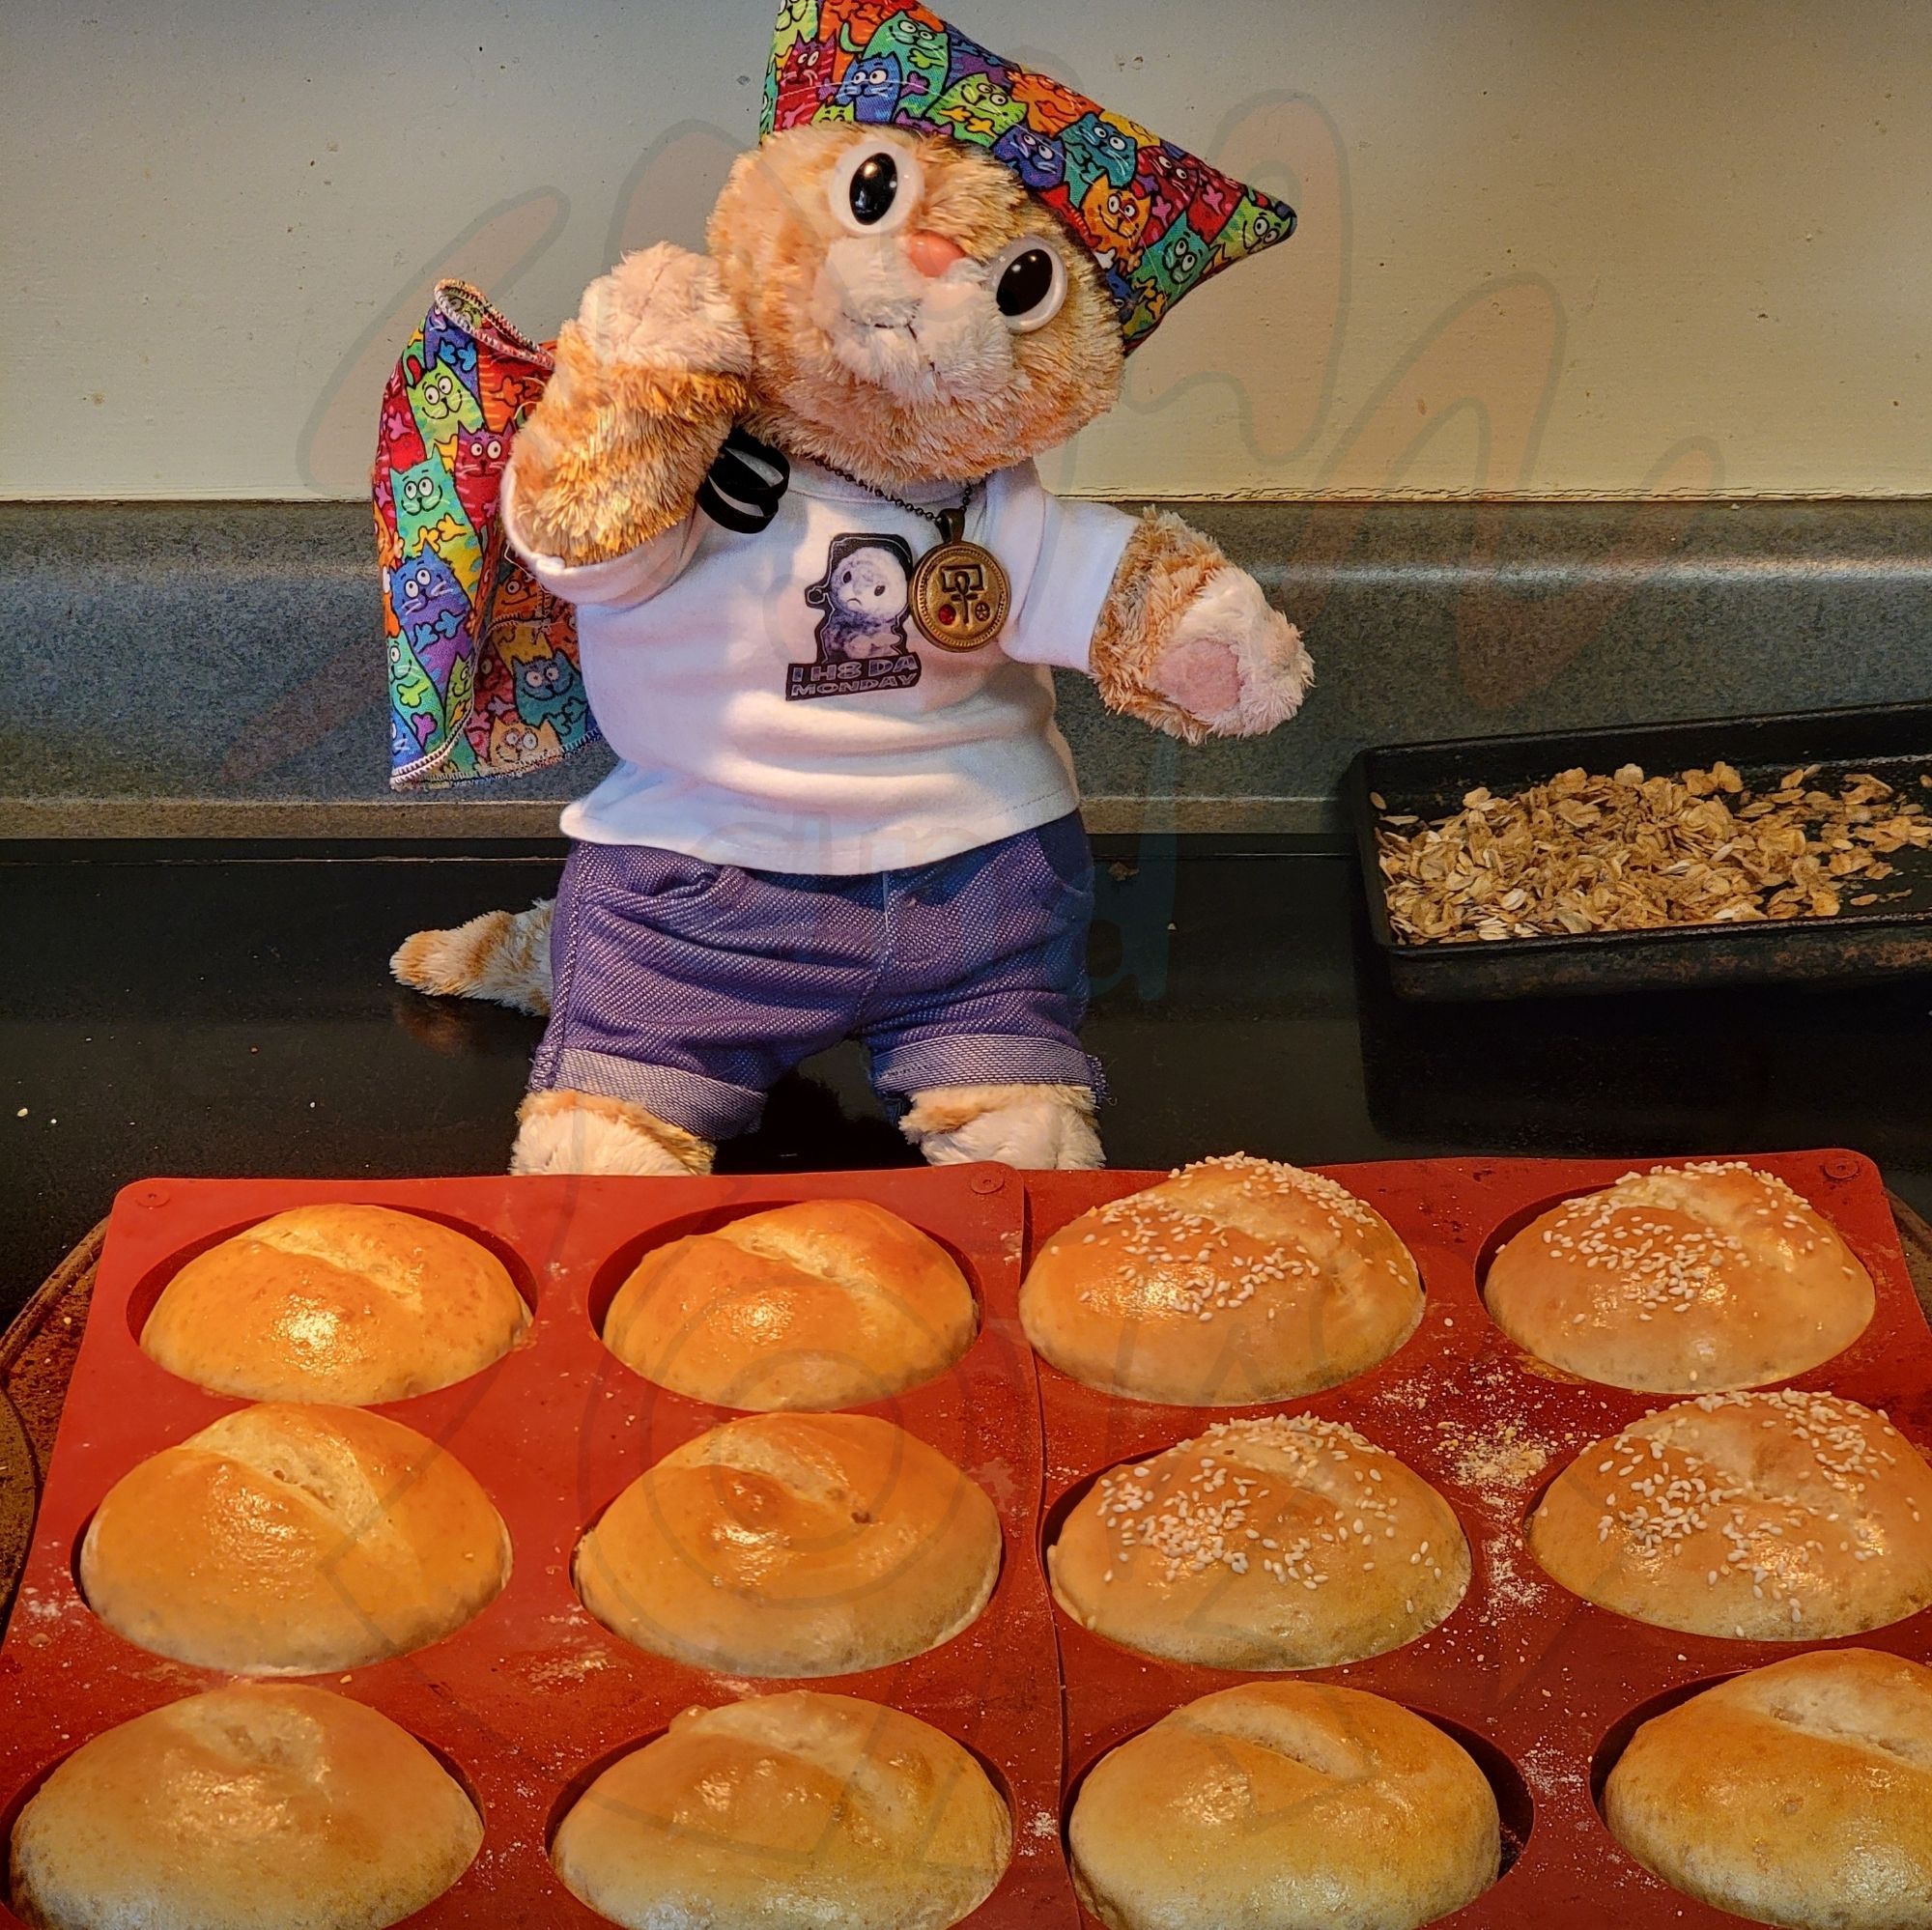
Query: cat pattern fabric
484,676
1156,220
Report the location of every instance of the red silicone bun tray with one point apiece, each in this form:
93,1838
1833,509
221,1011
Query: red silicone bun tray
1541,1686
534,1698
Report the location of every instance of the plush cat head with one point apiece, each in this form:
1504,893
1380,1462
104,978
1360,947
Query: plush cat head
941,257
915,315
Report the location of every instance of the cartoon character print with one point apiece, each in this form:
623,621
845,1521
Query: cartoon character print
481,455
1099,147
797,23
449,342
547,687
1175,179
1253,225
1051,106
439,402
1214,202
431,611
980,110
429,517
861,637
920,51
870,89
1172,266
416,706
805,73
508,393
515,743
1032,156
1117,217
397,434
388,545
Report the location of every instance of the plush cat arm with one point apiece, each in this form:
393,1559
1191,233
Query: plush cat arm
1188,644
649,378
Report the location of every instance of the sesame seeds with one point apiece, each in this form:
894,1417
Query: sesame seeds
1666,1242
1195,1250
1749,1481
1284,1497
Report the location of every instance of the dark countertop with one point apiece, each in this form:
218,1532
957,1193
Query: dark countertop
203,1010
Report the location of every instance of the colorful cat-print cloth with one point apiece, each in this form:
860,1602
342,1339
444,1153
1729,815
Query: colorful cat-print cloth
1156,220
484,679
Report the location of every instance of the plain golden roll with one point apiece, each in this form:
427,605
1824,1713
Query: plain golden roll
1797,1794
828,1303
295,1538
801,1811
1235,1281
264,1804
793,1545
1781,1516
1685,1280
351,1304
1284,1805
1273,1542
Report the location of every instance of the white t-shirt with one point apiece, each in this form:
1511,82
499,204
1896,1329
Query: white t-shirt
775,706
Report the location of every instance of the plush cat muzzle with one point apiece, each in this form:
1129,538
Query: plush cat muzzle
921,337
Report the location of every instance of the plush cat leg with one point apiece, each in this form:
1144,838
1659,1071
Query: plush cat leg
502,956
1188,644
649,378
560,1131
1039,1127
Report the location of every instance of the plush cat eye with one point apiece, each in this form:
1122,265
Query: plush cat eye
1029,283
873,190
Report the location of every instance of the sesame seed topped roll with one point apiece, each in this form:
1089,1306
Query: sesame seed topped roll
1785,1517
1281,1541
1233,1281
1685,1280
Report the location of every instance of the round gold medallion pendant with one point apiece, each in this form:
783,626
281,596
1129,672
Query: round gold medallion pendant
959,596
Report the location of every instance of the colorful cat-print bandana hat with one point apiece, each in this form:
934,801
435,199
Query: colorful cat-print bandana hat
1156,220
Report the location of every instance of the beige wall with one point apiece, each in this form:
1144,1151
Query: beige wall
1555,246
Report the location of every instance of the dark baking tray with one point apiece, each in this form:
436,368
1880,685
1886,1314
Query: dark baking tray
1891,937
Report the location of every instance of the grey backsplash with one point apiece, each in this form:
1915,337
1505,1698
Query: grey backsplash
182,670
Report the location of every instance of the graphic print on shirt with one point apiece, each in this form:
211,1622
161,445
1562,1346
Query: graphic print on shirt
862,637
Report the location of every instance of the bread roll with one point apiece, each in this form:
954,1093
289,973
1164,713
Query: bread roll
829,1303
294,1538
263,1804
1235,1281
1784,1517
789,1812
1686,1279
1797,1794
1284,1805
353,1304
793,1545
1272,1543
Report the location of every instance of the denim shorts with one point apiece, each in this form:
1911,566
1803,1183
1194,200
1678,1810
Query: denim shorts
689,988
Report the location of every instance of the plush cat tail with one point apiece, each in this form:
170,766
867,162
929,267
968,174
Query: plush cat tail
502,956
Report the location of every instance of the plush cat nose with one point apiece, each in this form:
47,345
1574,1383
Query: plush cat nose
932,254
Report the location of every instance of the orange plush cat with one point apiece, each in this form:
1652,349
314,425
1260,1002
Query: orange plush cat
824,658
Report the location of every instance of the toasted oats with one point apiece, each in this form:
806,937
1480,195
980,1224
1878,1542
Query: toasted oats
1631,852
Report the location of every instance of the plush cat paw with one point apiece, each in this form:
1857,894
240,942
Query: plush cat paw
665,307
501,955
1042,1128
1234,662
561,1131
